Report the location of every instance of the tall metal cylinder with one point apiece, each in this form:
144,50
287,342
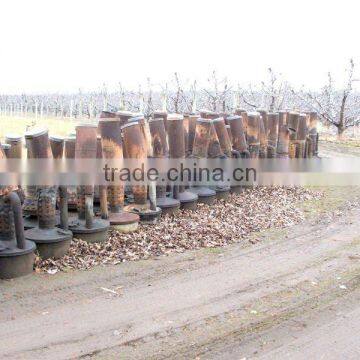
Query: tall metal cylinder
191,137
57,146
273,125
223,136
162,115
238,133
214,150
110,131
253,133
124,116
135,148
175,129
85,148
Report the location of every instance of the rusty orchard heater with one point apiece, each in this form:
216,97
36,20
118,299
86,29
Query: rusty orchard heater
188,200
51,241
16,253
86,226
293,124
168,205
239,143
136,148
70,155
301,136
283,144
120,220
253,134
313,135
191,133
203,136
220,137
273,134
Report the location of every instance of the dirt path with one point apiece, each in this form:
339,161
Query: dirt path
203,303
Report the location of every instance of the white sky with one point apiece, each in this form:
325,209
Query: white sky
61,45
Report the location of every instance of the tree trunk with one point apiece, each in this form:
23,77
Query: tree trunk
340,134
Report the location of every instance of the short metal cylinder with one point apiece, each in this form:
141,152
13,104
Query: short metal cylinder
16,145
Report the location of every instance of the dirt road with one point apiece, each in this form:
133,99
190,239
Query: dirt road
265,300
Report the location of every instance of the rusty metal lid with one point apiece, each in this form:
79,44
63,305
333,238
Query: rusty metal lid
155,119
219,119
175,117
234,117
13,137
35,133
202,120
56,138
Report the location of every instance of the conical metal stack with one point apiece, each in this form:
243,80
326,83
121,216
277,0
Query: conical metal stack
51,241
168,205
120,220
87,227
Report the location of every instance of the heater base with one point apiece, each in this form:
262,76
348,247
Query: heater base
146,215
124,222
31,221
222,192
205,194
16,262
168,205
98,233
51,243
188,200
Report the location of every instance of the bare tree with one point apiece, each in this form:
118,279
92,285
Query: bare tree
338,107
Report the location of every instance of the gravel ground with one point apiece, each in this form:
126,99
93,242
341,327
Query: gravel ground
209,226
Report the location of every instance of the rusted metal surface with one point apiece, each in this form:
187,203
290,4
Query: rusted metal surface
202,138
313,134
161,115
192,127
238,134
16,145
263,139
282,118
158,137
223,136
228,129
273,125
37,143
134,144
110,131
124,116
70,147
264,115
57,146
253,133
176,141
283,141
214,150
6,149
293,123
85,148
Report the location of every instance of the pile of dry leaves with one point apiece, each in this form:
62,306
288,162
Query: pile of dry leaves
209,226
